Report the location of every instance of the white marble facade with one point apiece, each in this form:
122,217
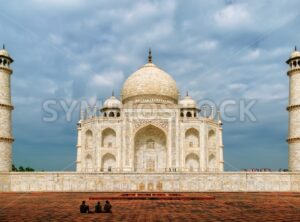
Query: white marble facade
149,130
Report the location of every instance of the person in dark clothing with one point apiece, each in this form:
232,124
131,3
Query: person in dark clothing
84,208
98,208
107,207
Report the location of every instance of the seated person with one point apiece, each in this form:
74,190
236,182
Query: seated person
84,208
98,208
107,207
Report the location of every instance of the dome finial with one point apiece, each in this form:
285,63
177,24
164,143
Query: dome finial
113,93
187,93
295,48
3,46
150,56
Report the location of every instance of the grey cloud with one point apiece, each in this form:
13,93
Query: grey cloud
60,46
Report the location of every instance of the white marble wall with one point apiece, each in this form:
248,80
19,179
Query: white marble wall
131,122
173,182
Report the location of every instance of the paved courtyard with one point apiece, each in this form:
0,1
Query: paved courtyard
225,207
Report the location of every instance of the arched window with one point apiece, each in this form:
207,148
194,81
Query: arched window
108,162
118,114
192,162
298,62
4,62
294,63
0,61
89,163
195,114
111,114
189,114
211,133
192,138
212,162
211,139
88,139
105,115
108,138
181,114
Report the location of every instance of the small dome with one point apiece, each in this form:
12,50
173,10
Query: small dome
4,53
187,102
150,82
295,54
112,103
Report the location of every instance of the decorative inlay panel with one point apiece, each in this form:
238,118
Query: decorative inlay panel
157,122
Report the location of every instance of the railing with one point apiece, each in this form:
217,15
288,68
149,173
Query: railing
155,170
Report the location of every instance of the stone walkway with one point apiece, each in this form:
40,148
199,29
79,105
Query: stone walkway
226,207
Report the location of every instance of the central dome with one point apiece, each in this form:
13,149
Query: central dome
150,83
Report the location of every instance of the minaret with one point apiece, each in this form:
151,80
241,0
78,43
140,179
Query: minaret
79,147
221,146
294,111
6,108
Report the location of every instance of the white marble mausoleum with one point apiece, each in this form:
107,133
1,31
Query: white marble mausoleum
149,129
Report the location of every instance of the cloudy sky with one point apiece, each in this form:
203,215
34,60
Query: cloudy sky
219,50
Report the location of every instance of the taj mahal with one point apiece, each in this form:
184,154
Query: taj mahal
149,139
150,130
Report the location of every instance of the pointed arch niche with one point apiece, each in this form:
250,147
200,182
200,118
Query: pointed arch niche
212,163
88,163
211,139
88,139
108,163
108,138
150,149
192,162
192,138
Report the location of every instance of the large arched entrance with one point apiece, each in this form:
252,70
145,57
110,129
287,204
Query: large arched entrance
150,150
